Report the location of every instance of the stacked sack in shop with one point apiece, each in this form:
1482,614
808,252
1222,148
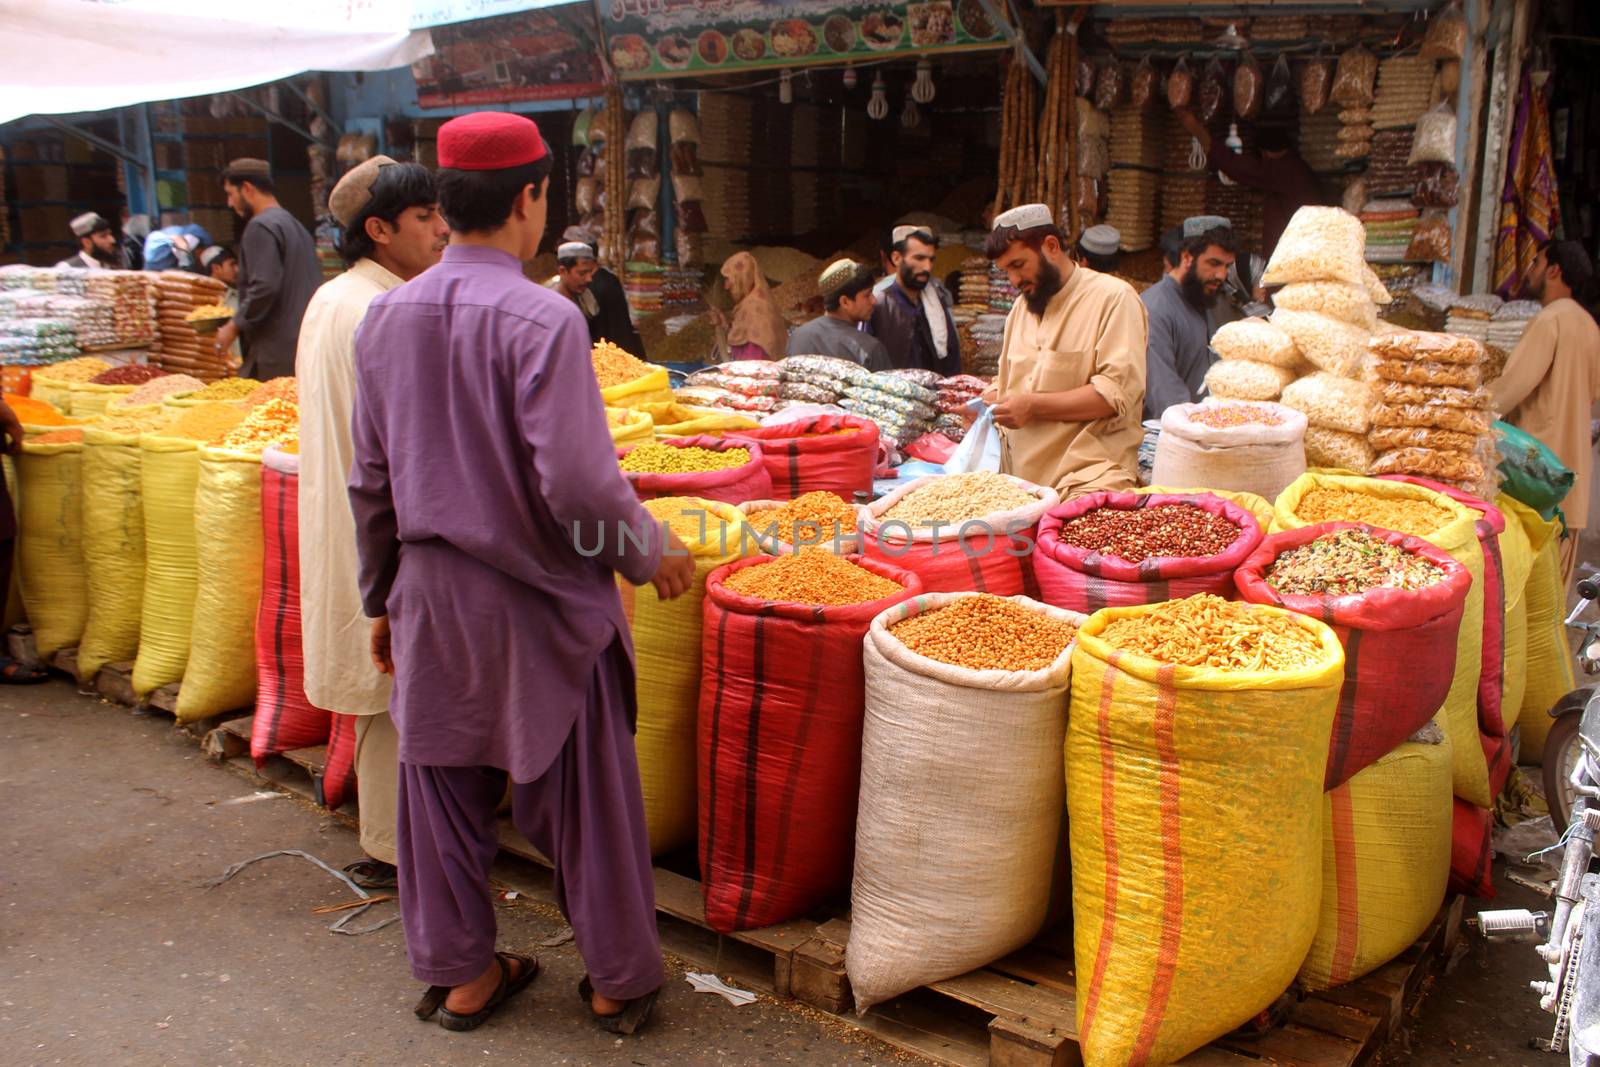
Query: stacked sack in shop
1230,446
1256,360
1433,417
902,402
818,453
742,385
819,379
955,393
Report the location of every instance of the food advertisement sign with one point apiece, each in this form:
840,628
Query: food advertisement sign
664,38
549,54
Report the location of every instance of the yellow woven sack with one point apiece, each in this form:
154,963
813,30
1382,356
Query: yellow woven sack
52,392
15,613
1459,537
1259,506
666,651
1385,862
169,468
113,549
1550,673
91,399
653,388
680,420
50,543
630,428
1516,563
221,674
1190,790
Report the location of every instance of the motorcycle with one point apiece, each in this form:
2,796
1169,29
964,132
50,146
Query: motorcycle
1563,749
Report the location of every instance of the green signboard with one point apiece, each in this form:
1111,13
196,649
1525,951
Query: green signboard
665,38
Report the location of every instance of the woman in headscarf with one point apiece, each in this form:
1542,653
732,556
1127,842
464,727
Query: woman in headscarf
757,330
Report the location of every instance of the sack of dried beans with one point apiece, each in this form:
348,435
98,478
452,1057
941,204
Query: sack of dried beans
832,453
710,467
1115,549
1395,602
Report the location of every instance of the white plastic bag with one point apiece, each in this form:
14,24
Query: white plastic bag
1257,340
1435,139
1332,402
980,449
1331,345
1319,244
1339,300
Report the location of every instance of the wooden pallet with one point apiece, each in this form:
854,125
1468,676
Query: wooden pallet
298,771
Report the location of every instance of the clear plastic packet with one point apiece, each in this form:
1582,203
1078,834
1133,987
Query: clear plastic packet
1356,116
1357,134
1143,88
1180,86
683,126
644,247
1110,82
1315,78
1083,84
1244,379
1256,340
1280,86
1430,463
642,130
689,247
1402,393
643,193
685,158
1331,402
1431,416
1435,137
1431,239
1329,344
1425,345
1375,287
1355,196
1426,372
692,217
687,187
1353,80
1319,244
1247,88
1446,36
643,163
1387,438
584,195
752,368
1212,92
1438,185
1339,300
1338,449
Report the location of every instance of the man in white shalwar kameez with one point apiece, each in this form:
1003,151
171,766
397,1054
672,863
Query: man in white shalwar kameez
392,232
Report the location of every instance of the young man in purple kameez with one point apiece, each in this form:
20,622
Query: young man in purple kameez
491,520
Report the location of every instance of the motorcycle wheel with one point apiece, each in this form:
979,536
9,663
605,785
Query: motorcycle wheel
1561,754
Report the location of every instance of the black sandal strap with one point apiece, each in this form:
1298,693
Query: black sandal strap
431,1001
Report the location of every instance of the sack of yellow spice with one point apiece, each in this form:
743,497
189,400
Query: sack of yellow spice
1411,509
1189,790
627,382
629,428
1550,673
666,651
50,540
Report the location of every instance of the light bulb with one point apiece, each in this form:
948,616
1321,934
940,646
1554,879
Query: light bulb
922,89
786,86
910,116
1236,145
850,76
878,106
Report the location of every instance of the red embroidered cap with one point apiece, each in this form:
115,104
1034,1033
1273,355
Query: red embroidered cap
490,140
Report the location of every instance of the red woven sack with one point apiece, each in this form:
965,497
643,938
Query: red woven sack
1471,853
782,700
339,773
1079,580
988,555
734,485
284,718
810,455
1399,645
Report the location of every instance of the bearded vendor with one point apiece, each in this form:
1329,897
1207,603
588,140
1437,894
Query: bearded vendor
491,524
1070,391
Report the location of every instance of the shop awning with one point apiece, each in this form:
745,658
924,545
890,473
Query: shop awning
62,57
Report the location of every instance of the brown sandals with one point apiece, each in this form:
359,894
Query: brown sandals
631,1019
433,1000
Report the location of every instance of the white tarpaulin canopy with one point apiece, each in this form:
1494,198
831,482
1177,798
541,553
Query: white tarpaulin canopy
60,57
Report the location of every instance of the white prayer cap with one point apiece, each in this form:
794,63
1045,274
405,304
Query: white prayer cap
1101,240
836,274
1195,225
87,223
1025,217
574,250
900,233
212,254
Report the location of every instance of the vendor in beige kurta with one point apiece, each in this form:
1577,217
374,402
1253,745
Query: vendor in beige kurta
392,233
1070,391
1552,378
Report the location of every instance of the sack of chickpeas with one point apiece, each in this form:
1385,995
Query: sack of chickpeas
1118,549
725,471
956,805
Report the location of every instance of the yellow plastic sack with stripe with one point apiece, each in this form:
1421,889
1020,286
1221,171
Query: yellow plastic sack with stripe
1459,537
169,468
1194,801
221,673
1385,861
52,391
666,652
91,399
680,420
1524,535
1259,506
653,388
1550,672
15,612
113,549
629,428
50,543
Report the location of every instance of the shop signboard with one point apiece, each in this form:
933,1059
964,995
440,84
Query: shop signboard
552,53
667,38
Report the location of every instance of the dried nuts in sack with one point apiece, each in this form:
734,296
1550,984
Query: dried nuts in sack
614,365
982,632
1315,78
1227,416
958,498
812,577
1417,517
658,458
1346,562
1161,532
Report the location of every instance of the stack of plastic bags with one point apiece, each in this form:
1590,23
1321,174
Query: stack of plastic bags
1469,316
987,333
1433,419
955,394
742,385
902,403
1390,225
974,289
1509,323
819,379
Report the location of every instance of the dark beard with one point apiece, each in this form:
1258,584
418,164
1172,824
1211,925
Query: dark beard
1045,287
112,258
910,279
1194,291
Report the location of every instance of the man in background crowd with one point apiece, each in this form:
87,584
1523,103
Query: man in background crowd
1552,377
176,248
913,319
847,300
596,291
97,245
135,228
1178,352
392,232
278,272
1100,248
223,266
1276,170
1071,384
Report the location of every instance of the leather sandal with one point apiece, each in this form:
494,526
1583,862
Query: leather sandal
433,1000
630,1020
373,874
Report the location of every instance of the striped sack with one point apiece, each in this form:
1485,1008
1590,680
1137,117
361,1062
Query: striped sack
1550,671
733,485
1399,644
1385,861
811,455
339,773
987,555
781,705
1190,790
284,718
1471,851
1080,580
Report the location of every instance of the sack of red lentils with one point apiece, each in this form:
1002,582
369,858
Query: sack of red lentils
780,718
833,453
961,533
1395,602
1107,550
728,472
